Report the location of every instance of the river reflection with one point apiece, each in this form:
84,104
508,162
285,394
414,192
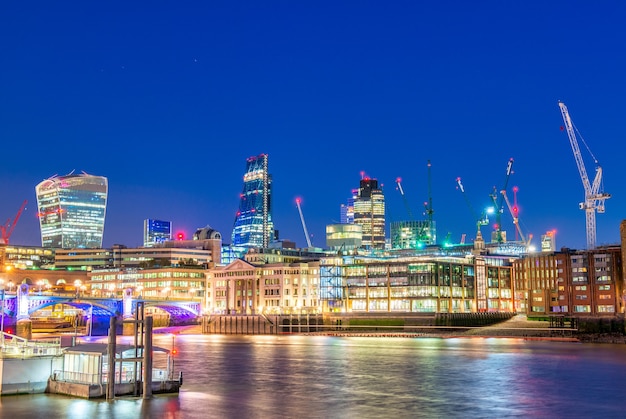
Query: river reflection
341,377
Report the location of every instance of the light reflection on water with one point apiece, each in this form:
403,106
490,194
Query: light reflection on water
338,377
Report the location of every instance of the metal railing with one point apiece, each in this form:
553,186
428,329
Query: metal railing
102,378
15,346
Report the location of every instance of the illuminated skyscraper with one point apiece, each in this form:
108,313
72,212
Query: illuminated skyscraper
71,210
369,212
347,210
156,231
253,223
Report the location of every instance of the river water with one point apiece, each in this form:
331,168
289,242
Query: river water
366,377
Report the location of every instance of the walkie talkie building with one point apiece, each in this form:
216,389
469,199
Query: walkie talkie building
71,210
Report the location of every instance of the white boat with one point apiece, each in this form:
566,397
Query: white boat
45,366
26,366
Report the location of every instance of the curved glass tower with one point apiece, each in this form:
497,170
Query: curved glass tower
71,210
253,223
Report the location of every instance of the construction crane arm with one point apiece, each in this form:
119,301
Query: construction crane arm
569,127
306,232
7,229
480,221
594,199
406,203
514,215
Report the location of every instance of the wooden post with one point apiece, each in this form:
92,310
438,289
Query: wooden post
112,349
147,358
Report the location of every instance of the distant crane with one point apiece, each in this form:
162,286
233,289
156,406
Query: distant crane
7,229
428,207
306,232
594,199
514,210
406,203
498,204
480,221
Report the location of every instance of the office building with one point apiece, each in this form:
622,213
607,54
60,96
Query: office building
253,225
412,234
347,210
344,237
142,257
71,211
156,232
369,213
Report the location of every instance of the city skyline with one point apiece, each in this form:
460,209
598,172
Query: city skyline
167,102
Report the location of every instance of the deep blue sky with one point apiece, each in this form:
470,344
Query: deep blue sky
167,99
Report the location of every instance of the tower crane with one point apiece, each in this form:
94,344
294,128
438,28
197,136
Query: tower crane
515,214
480,221
306,232
7,229
594,198
428,206
406,203
498,204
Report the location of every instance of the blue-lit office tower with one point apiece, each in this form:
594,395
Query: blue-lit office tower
253,223
156,231
71,210
347,210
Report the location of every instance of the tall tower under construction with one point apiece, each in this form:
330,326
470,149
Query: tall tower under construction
253,223
71,210
369,213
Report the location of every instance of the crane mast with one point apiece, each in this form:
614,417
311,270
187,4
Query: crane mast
428,206
306,232
594,199
498,205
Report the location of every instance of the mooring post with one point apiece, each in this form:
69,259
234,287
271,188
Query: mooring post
147,358
112,349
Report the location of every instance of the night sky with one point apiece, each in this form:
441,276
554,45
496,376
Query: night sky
168,99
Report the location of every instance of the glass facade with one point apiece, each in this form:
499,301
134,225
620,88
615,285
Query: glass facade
156,231
71,211
414,284
253,222
347,210
369,213
412,234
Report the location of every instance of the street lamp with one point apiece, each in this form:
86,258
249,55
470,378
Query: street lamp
77,284
165,291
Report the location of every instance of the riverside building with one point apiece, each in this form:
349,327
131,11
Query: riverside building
170,283
71,211
273,288
570,282
416,284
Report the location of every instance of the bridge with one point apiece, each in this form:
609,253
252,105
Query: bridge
23,304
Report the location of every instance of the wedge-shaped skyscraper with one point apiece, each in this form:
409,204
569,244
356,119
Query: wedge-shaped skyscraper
71,210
